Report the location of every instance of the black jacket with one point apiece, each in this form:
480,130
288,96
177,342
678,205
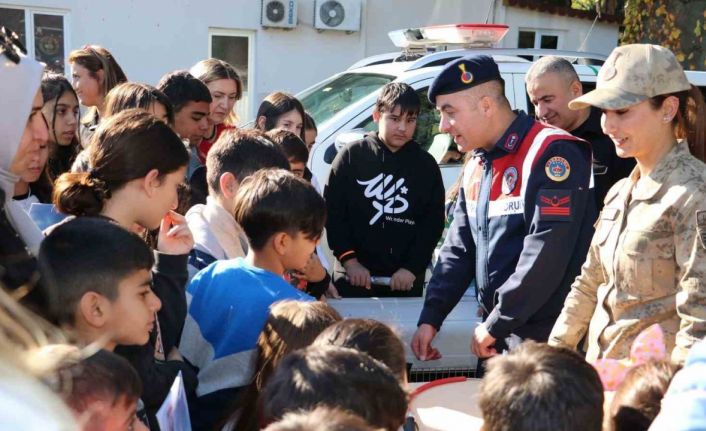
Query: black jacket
385,209
608,168
169,276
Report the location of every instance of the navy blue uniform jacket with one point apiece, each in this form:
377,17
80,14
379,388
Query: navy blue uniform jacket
521,228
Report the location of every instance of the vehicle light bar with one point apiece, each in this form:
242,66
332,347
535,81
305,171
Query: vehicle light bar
471,35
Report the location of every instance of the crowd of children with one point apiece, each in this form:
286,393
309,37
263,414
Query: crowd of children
186,246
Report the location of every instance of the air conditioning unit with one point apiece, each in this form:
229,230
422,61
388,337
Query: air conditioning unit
342,15
279,13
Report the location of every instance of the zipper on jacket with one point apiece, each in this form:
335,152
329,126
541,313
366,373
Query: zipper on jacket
482,249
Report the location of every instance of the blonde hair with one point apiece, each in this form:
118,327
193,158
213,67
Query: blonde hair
213,69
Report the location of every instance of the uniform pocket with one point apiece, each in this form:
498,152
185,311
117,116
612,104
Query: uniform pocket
648,263
605,224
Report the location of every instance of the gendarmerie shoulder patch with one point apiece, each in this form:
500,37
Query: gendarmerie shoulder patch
557,169
701,227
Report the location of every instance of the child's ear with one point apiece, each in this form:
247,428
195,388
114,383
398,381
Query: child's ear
93,308
280,242
376,115
151,182
261,120
229,185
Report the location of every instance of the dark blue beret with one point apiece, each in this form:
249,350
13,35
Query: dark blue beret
462,74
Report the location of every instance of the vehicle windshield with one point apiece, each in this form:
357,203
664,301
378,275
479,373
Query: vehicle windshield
335,94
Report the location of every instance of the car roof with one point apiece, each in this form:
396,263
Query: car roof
414,60
401,70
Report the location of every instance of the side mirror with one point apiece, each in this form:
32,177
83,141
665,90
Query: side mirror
341,141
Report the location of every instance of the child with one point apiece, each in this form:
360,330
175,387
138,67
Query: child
61,111
291,325
28,164
321,419
23,126
293,147
310,134
316,279
683,407
226,89
129,95
135,95
371,337
138,164
102,390
637,400
190,99
94,72
282,217
385,200
237,155
281,111
539,387
310,131
101,276
336,377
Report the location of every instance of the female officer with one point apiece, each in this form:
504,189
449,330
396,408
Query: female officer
647,261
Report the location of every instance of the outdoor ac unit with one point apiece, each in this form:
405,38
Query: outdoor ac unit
279,13
343,15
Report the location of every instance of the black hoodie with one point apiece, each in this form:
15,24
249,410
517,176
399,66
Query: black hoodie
385,209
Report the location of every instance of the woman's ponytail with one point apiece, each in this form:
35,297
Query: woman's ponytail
695,122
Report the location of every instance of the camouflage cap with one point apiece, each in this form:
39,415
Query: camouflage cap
633,73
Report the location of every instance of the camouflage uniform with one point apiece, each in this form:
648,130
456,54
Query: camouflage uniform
646,264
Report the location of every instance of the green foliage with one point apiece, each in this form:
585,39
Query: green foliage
583,4
679,25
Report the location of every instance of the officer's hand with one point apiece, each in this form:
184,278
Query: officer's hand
482,343
358,275
402,279
421,343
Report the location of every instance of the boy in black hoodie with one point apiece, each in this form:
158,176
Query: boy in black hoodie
385,201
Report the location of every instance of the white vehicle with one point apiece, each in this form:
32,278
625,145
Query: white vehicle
342,107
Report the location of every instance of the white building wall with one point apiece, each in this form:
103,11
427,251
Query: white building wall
602,39
150,38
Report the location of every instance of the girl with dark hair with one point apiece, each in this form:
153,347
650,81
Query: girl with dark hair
226,89
130,95
137,165
290,325
368,336
94,72
281,111
61,111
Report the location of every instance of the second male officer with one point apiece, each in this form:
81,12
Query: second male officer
524,217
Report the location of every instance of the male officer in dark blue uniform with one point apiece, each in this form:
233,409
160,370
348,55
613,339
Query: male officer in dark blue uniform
524,217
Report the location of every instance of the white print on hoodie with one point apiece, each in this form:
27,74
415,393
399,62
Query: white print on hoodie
383,191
